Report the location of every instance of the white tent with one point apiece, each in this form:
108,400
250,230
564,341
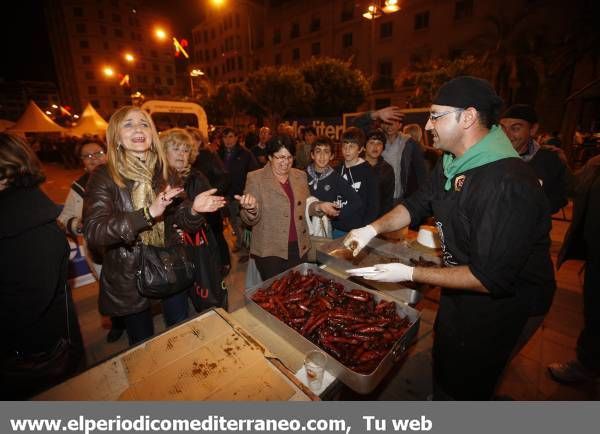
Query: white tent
34,120
90,123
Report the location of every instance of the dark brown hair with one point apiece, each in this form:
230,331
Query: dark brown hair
18,162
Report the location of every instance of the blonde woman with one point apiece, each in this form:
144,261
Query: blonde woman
125,204
180,148
92,154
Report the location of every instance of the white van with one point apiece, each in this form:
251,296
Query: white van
171,114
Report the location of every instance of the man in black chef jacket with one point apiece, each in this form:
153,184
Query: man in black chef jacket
494,224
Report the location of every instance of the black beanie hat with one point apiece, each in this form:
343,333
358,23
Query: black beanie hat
466,91
377,134
521,111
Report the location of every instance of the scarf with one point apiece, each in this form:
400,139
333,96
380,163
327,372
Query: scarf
532,148
493,147
142,194
315,176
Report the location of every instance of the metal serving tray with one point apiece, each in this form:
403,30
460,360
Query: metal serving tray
333,254
336,255
360,383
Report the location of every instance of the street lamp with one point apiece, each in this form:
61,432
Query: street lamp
218,4
128,76
194,73
374,11
137,98
108,71
162,35
391,6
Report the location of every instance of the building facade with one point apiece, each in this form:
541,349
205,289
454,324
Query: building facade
291,32
90,39
511,34
228,43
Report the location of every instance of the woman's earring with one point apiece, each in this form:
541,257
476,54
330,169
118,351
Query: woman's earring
119,146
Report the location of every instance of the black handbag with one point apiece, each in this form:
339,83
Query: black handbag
164,271
209,288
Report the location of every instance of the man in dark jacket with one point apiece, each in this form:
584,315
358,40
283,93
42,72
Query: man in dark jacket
581,242
385,173
494,225
260,149
238,162
520,124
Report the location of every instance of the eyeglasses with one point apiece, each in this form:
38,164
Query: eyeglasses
93,156
180,147
283,157
435,116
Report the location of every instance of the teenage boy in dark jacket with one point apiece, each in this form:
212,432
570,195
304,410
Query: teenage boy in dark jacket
385,173
358,204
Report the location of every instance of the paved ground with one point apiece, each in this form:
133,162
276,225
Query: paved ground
525,379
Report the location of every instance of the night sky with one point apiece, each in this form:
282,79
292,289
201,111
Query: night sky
25,48
24,45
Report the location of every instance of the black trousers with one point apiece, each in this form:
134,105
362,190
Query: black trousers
474,338
588,343
270,266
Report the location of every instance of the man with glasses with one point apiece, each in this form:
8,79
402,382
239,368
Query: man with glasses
92,155
494,224
238,162
401,151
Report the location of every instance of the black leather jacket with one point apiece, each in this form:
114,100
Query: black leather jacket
113,225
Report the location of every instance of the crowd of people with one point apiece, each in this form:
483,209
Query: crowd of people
488,184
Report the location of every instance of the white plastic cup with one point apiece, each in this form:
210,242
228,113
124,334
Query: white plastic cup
314,365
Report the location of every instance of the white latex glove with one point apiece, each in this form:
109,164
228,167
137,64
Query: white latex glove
357,239
394,272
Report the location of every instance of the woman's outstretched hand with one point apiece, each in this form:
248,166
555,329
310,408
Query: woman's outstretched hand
247,201
163,200
208,202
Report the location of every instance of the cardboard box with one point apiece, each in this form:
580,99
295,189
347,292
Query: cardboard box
210,357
